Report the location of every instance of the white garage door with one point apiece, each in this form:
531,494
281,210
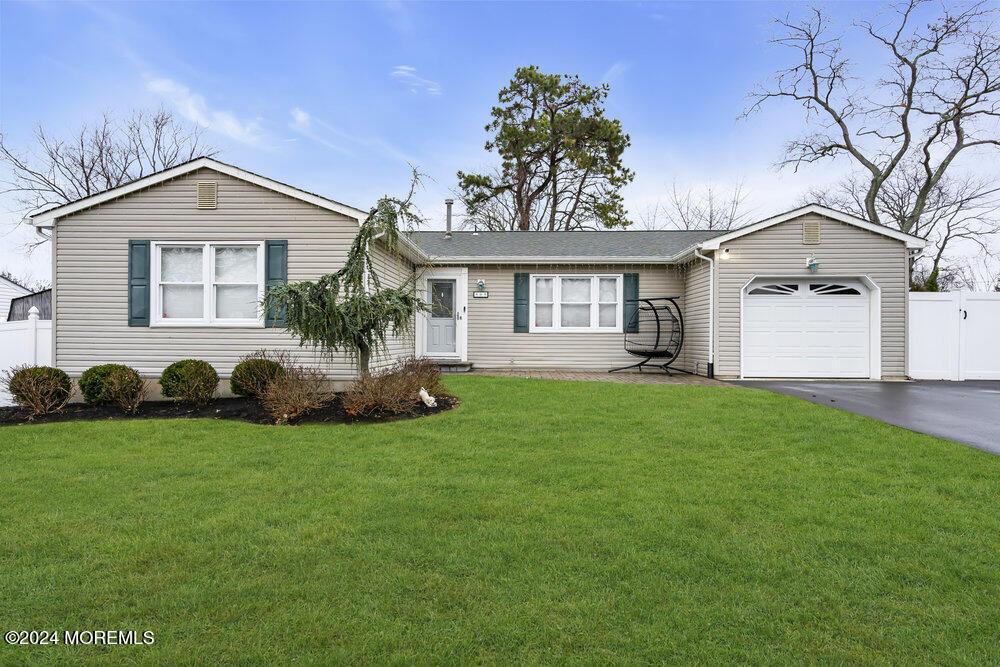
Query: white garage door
813,329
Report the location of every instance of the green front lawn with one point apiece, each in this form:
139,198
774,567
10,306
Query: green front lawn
539,522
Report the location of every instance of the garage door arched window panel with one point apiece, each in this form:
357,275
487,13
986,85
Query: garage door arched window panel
800,328
775,289
833,289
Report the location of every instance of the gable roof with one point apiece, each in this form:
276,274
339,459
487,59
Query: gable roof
660,246
14,283
47,218
818,209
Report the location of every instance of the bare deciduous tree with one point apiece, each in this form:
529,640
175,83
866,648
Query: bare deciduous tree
710,208
939,98
97,158
959,208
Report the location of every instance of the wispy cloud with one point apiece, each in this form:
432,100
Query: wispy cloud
302,122
616,71
193,107
337,139
407,75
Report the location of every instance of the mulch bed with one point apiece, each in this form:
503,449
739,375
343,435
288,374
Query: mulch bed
241,409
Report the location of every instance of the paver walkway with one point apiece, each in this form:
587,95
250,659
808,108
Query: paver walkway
649,377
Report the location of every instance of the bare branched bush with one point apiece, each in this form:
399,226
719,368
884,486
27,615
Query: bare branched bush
123,386
40,389
395,390
296,391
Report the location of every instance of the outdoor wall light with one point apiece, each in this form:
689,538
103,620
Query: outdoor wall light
725,254
480,284
812,264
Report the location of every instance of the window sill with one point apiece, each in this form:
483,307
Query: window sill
206,325
609,330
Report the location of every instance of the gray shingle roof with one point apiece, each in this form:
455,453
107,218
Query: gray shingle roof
639,245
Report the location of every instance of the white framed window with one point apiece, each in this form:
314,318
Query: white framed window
214,283
575,302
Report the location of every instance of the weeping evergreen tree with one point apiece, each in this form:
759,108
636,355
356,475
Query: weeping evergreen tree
350,310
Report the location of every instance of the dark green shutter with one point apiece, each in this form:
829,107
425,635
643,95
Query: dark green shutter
275,273
138,283
521,296
630,292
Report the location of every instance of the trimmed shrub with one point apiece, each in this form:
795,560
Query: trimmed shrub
395,390
294,392
123,386
189,380
41,389
255,372
93,383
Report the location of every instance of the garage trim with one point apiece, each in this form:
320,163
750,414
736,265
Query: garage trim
874,314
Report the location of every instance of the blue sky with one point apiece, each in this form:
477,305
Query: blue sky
337,97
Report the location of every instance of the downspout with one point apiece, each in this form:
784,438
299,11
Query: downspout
711,311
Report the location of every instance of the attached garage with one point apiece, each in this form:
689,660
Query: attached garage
812,293
814,328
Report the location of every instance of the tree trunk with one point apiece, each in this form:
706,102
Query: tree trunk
364,358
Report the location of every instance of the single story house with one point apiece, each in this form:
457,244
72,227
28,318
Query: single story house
172,266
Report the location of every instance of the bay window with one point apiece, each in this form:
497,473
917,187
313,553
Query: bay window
577,302
208,284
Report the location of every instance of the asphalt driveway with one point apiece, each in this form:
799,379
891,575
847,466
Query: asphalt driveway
968,412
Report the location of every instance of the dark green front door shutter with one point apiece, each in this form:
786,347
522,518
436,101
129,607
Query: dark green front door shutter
521,295
138,283
630,292
275,273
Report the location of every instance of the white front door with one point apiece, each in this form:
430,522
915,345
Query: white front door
806,328
441,322
441,329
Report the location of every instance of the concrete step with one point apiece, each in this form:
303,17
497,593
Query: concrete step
450,366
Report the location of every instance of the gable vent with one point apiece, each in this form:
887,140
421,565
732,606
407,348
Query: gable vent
810,232
208,194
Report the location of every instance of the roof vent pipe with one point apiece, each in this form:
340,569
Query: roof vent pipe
447,228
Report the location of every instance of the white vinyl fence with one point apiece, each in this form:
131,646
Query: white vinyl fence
25,342
954,335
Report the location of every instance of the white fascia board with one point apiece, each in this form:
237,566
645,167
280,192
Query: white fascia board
49,217
910,240
532,259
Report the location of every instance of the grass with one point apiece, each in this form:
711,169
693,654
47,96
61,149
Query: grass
538,522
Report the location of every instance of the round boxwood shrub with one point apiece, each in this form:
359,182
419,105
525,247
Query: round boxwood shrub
41,389
252,375
190,380
93,383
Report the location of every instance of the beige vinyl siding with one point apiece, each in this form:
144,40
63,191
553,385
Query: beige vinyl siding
492,342
694,354
91,272
393,271
845,250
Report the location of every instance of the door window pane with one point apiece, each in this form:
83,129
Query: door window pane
576,290
575,315
182,301
236,301
181,265
236,265
443,299
543,315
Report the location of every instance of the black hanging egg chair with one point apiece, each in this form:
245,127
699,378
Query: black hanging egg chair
655,331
